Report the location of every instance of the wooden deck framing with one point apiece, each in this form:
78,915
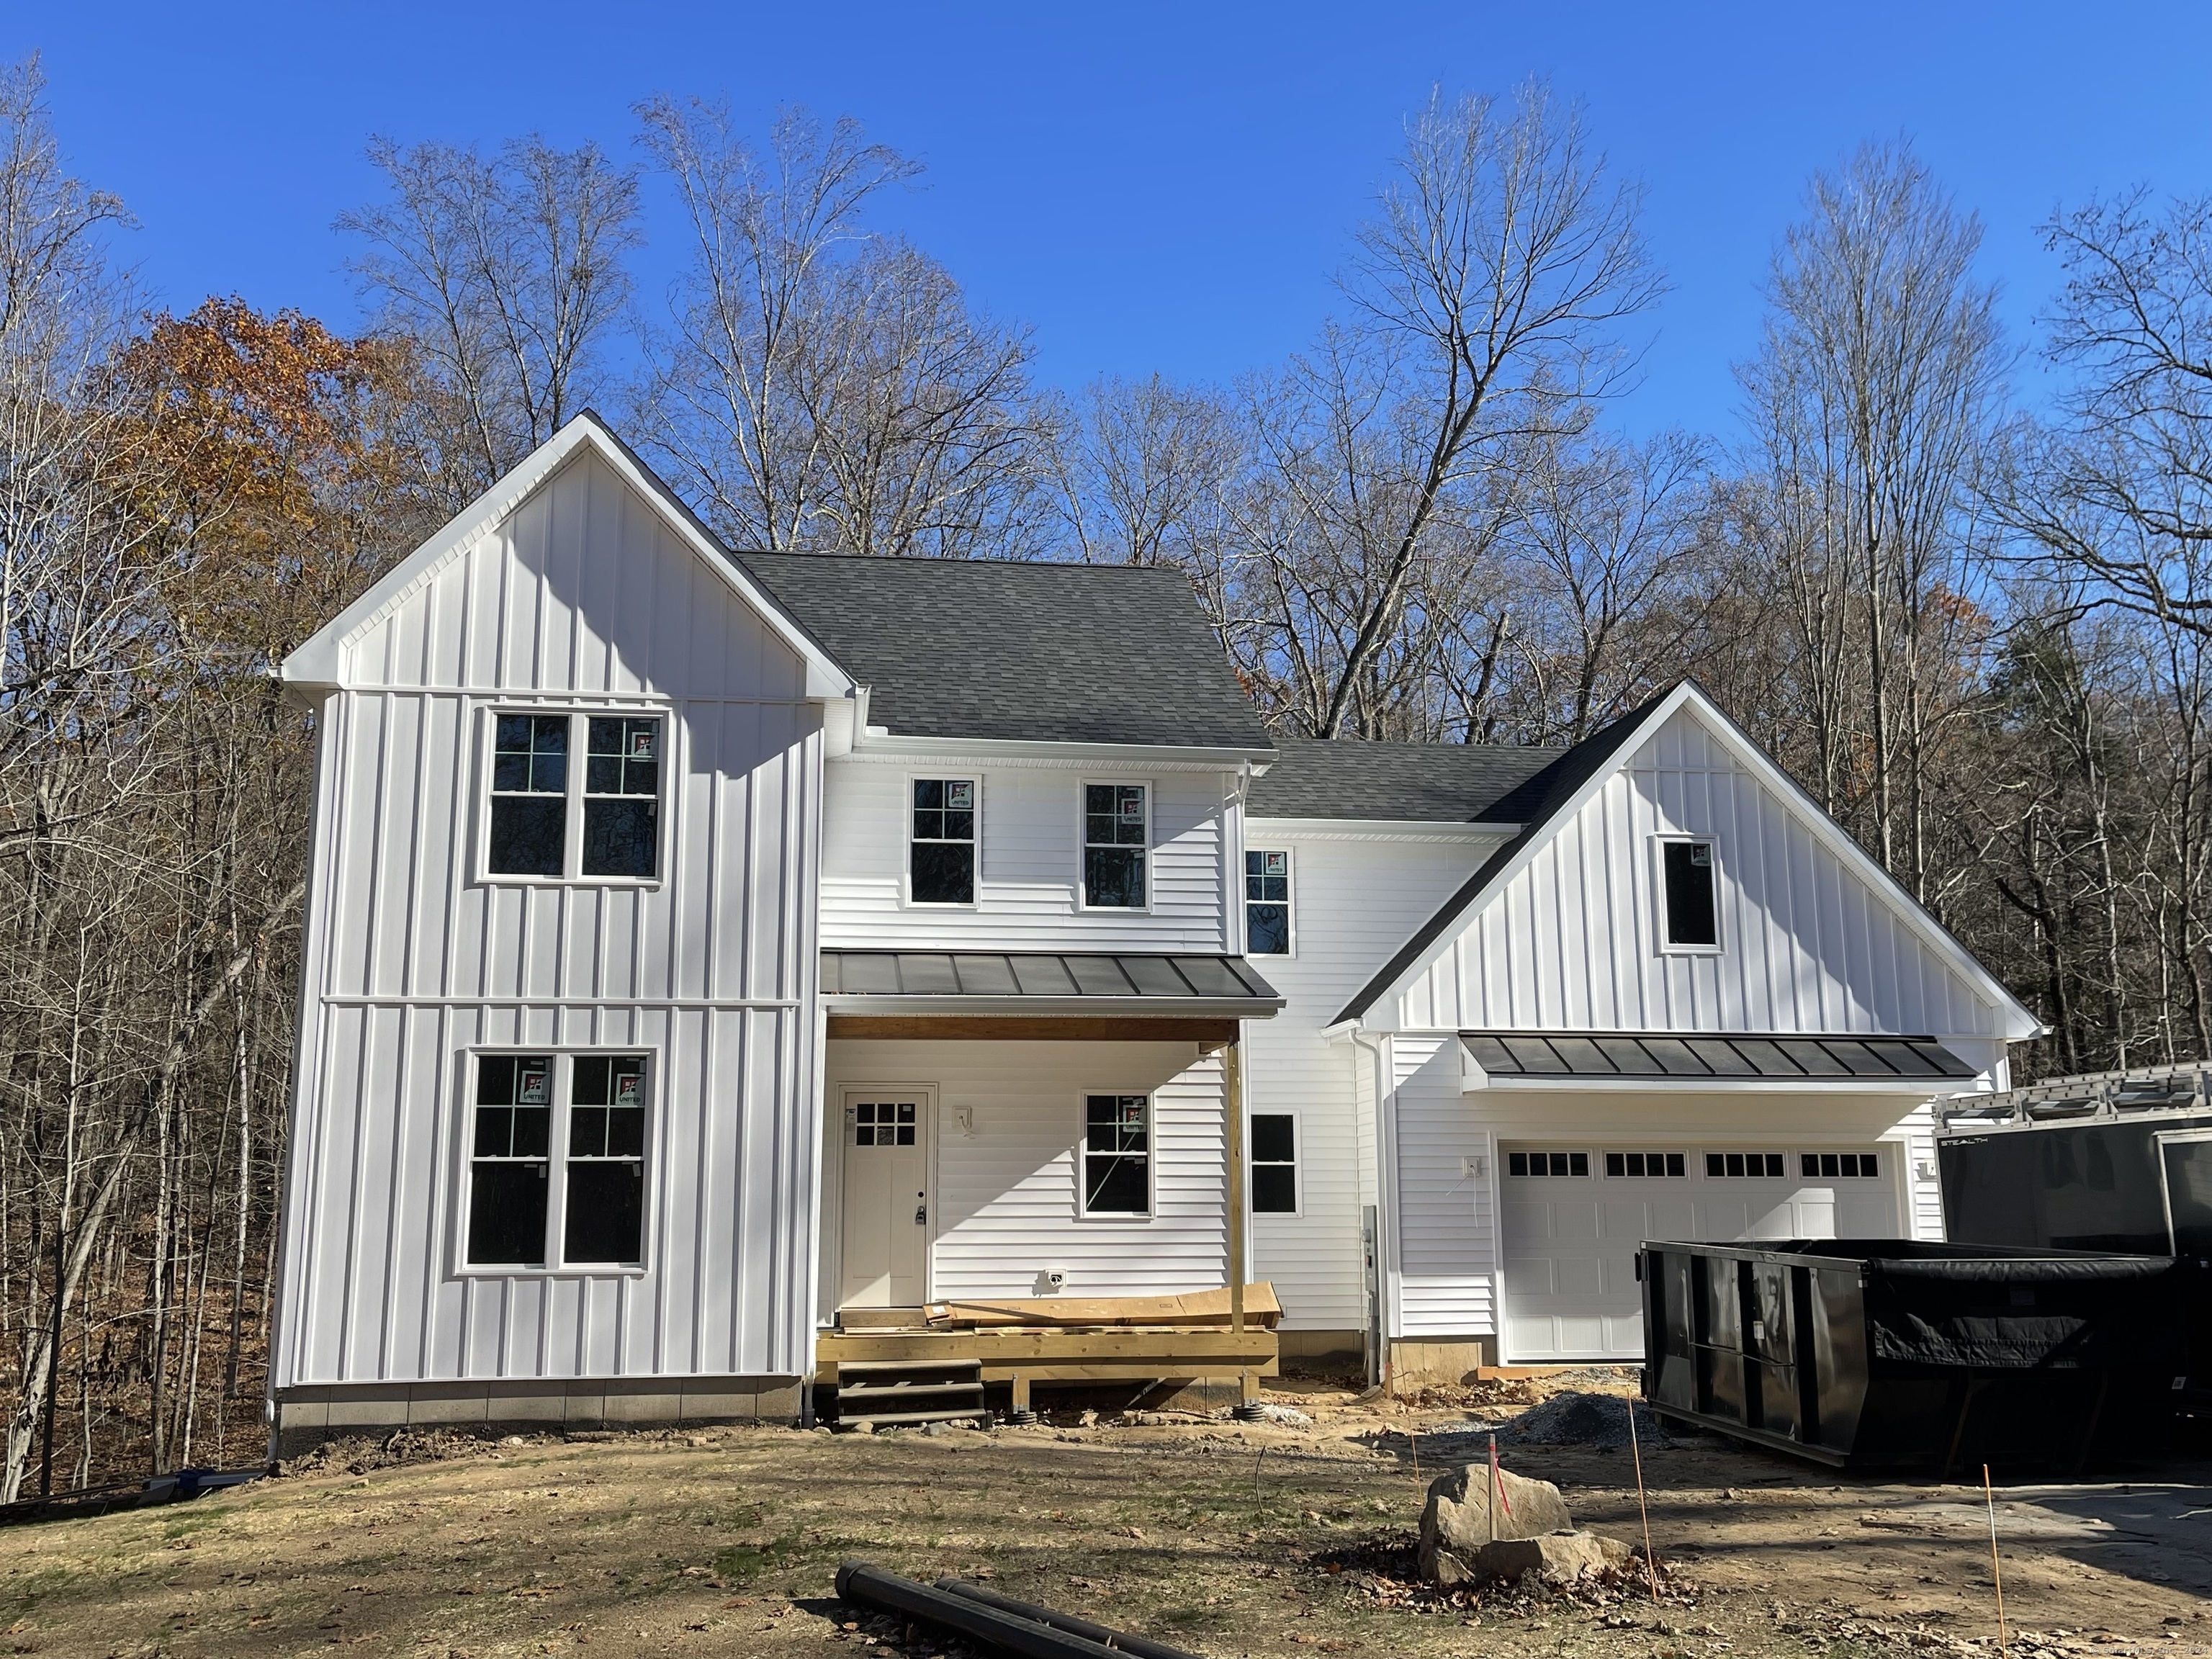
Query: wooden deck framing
1031,1354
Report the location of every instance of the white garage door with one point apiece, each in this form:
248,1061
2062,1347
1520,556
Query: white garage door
1575,1214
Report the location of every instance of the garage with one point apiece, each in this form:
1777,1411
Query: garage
1574,1212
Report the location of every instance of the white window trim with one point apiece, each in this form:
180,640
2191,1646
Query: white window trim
1290,901
572,838
906,899
1297,1212
1083,903
1666,947
557,1173
1119,1217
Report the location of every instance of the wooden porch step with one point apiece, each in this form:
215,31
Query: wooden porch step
888,1393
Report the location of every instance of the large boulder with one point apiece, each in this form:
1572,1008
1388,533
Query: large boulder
1455,1524
1557,1558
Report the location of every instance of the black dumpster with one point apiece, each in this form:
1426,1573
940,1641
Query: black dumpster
1880,1353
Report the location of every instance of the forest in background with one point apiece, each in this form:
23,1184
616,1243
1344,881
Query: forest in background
1977,632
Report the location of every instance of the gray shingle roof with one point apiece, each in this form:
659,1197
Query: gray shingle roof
1051,653
1410,782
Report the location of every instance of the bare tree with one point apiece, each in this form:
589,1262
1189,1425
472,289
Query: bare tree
506,273
818,384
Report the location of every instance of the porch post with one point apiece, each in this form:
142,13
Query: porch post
1232,1091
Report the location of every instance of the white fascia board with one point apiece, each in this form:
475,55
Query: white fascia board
893,1006
874,743
1383,830
319,662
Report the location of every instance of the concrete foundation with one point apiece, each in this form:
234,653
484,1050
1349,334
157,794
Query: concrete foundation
306,1417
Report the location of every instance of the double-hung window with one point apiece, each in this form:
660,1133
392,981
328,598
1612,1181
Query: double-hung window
1116,1173
941,857
1116,838
531,1208
552,820
1274,1164
1690,902
1267,904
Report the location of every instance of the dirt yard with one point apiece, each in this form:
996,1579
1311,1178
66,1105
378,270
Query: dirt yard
1226,1539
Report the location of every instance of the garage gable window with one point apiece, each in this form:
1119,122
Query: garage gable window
1547,1164
1849,1166
1761,1166
1690,905
1634,1164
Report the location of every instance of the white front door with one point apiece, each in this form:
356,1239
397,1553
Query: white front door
886,1242
1573,1220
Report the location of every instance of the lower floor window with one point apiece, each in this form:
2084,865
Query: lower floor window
1761,1165
1116,1154
1854,1165
1274,1164
517,1187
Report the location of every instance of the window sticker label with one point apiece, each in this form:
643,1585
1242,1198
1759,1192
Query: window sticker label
960,797
626,1089
641,743
1277,864
531,1090
1133,809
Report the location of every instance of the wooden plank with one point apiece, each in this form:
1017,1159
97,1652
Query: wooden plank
1166,1370
1025,1028
1195,1308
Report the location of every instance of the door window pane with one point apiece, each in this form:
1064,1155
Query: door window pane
1116,1155
529,795
621,797
508,1163
941,856
1116,832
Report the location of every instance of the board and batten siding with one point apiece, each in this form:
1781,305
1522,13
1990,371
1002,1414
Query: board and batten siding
1031,860
582,597
1356,894
1004,1195
1809,944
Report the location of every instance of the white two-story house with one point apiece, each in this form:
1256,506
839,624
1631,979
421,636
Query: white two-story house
710,955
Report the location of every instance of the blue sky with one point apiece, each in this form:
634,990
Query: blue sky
1149,187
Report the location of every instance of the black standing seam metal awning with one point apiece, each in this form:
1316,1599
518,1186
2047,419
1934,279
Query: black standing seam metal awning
1160,981
1671,1058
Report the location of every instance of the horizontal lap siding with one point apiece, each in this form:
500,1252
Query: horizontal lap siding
582,597
1005,1196
1027,893
1446,1228
1570,942
1354,902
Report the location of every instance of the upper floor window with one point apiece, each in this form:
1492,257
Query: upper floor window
1692,909
612,803
941,857
1267,904
1116,836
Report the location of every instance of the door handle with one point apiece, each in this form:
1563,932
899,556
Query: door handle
921,1213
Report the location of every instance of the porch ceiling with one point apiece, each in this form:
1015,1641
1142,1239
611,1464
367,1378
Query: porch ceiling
1031,984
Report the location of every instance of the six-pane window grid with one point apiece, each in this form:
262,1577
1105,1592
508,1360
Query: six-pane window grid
529,795
1274,1164
605,1199
1860,1166
1267,904
1113,845
1547,1164
884,1123
1754,1165
941,862
1116,1155
1630,1165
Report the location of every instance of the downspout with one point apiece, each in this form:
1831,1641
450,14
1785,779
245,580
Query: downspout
1382,1277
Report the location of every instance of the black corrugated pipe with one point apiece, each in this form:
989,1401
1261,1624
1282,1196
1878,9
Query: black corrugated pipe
1143,1647
1029,1638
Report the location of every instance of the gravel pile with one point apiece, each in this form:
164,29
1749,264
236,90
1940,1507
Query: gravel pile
1583,1420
